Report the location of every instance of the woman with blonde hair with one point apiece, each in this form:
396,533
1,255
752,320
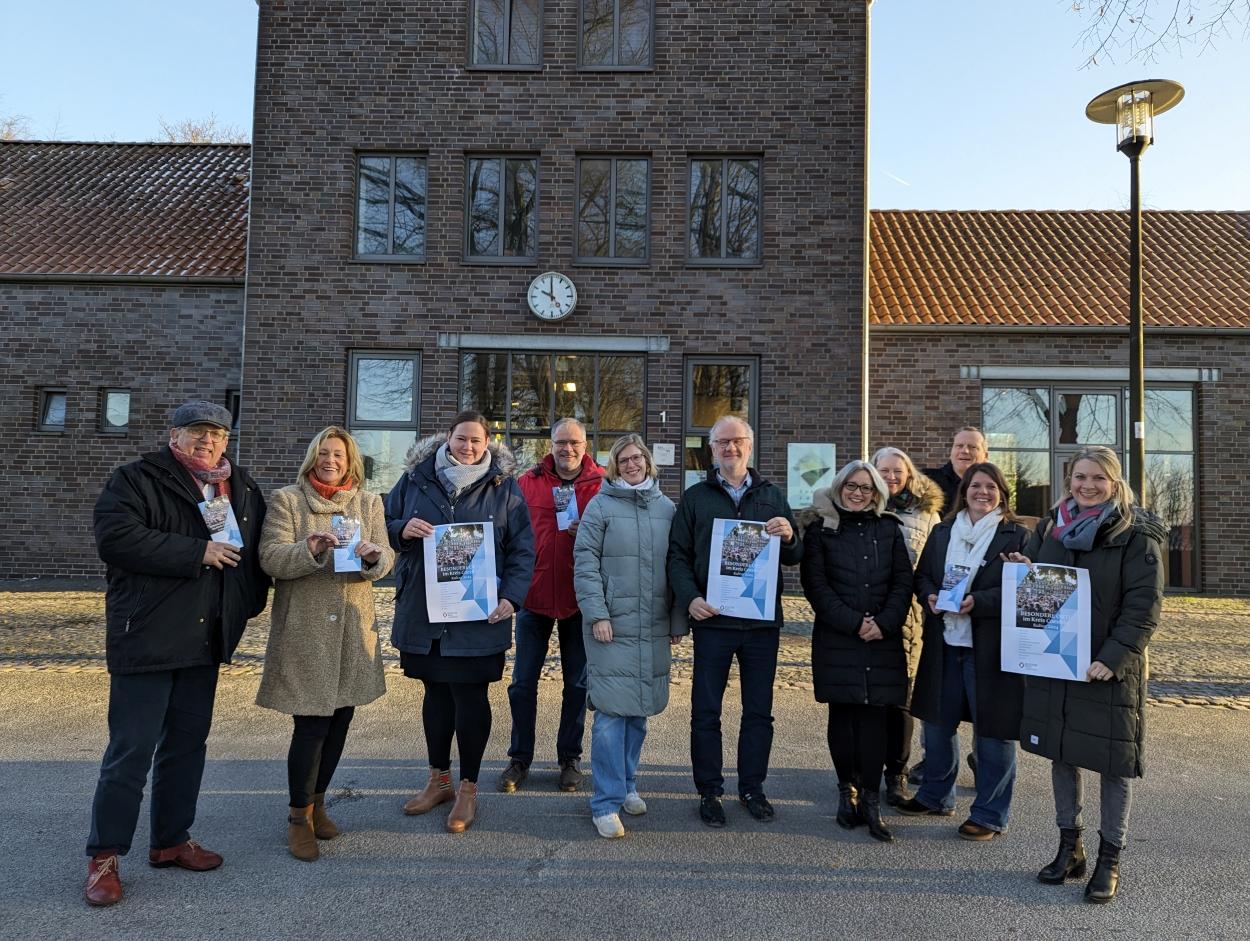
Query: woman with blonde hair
1099,724
324,542
621,579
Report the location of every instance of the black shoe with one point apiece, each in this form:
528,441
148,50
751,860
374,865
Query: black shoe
915,775
513,776
711,812
913,808
1105,881
757,806
870,810
896,790
848,807
1069,862
570,775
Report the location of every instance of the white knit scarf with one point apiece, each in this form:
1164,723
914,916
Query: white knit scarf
969,543
455,477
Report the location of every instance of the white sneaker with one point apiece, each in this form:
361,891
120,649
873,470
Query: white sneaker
634,804
609,826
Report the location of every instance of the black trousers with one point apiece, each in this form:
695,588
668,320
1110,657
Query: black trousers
857,743
899,728
316,747
157,721
462,711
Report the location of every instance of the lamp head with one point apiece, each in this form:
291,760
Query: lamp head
1132,107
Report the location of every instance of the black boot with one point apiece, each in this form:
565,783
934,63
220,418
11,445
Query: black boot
1105,881
1069,862
896,789
870,811
848,807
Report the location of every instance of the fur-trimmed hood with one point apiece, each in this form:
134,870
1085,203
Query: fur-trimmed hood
928,494
823,508
424,448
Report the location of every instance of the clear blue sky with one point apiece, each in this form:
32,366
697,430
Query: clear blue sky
977,104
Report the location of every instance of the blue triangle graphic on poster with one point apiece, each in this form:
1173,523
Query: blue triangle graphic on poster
754,587
475,584
1061,636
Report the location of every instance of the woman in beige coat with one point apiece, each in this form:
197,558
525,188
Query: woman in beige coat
324,542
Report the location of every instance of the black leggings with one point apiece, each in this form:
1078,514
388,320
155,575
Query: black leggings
857,744
461,710
899,728
316,747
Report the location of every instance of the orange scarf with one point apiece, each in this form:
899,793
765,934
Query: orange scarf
329,490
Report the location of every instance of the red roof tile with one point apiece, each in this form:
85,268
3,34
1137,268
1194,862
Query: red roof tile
1058,268
139,210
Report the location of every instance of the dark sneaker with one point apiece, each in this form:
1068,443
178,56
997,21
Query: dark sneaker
711,812
757,806
570,775
913,808
513,776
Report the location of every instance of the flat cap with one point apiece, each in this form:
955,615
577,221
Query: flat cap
199,412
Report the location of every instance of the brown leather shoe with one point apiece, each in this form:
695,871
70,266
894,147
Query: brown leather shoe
104,884
323,826
465,808
188,855
974,831
301,839
437,791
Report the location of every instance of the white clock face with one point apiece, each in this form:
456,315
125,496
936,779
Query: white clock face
552,296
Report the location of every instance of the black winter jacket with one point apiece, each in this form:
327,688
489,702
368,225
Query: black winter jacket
856,564
946,478
164,608
690,541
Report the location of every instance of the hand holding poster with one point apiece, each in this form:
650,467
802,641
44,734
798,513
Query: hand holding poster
1045,617
742,570
347,532
219,518
460,583
955,582
565,499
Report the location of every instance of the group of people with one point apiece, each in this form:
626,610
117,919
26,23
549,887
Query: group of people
619,573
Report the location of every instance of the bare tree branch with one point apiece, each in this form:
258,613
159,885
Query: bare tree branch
206,131
1140,30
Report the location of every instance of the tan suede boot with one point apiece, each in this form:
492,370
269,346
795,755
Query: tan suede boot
323,826
437,791
299,834
465,808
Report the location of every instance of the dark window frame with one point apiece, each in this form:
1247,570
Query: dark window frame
46,393
390,257
104,428
583,66
354,356
525,261
690,429
722,261
471,42
234,403
610,261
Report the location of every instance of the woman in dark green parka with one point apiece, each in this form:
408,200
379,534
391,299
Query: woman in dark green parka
1100,724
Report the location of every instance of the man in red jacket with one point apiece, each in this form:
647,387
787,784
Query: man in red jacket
556,490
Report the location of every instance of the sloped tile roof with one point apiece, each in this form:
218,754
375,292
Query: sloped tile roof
1058,268
137,210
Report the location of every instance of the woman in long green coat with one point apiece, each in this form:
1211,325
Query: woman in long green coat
627,619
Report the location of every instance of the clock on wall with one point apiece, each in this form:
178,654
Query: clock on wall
552,296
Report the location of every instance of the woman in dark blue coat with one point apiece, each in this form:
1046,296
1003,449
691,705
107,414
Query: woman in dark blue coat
461,477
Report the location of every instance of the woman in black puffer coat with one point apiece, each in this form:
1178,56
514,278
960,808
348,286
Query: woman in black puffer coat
857,575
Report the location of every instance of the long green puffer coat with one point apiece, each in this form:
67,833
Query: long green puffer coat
619,574
1102,725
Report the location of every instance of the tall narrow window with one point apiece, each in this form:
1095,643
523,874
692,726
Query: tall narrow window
723,224
390,207
616,34
612,209
52,408
502,208
115,411
382,412
506,34
715,387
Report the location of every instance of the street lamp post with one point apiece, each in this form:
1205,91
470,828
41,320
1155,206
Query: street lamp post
1131,108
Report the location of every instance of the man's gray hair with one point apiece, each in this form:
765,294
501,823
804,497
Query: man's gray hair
561,422
711,435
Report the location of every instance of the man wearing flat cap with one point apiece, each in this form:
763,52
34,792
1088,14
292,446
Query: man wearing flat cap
179,531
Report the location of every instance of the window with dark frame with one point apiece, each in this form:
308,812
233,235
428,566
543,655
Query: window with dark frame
114,411
616,34
390,207
382,411
613,209
501,197
234,402
714,387
724,210
52,409
505,34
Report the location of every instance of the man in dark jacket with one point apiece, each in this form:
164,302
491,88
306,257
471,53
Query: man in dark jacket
556,491
179,531
733,490
968,448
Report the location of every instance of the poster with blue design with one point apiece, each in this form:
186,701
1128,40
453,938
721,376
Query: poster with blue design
1046,621
460,582
742,570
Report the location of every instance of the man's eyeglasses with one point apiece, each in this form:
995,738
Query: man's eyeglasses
212,434
866,489
567,443
721,443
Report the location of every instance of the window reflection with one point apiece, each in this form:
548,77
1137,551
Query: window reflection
1016,418
1028,476
719,389
384,451
531,390
384,390
1087,418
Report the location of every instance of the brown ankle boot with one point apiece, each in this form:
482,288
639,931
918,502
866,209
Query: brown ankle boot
299,834
437,791
323,826
465,808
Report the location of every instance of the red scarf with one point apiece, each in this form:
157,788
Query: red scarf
216,474
329,490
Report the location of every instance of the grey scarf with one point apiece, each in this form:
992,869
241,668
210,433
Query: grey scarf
455,477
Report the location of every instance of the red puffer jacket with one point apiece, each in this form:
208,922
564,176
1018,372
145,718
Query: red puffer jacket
551,592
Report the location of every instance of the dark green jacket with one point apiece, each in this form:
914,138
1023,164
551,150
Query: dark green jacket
1101,725
690,541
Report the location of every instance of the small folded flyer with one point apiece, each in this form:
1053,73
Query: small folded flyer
460,582
565,499
955,582
1046,621
742,571
219,518
347,532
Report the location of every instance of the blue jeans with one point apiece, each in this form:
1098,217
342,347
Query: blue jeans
615,747
996,757
533,634
714,651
